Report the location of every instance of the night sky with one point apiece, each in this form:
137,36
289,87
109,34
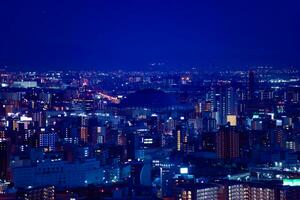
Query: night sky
49,34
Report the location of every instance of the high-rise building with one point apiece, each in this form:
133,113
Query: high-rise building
199,192
227,140
84,134
251,85
46,193
224,102
38,118
178,139
292,94
182,138
4,153
48,140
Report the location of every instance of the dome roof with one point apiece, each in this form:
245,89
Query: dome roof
149,98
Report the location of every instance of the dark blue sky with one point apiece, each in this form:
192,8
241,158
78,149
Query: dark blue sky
131,34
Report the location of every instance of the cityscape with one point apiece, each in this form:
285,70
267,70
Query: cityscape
142,100
150,135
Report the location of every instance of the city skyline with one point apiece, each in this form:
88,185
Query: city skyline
151,100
